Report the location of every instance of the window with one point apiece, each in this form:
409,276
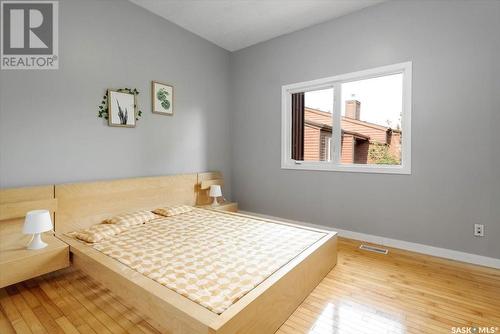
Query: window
356,122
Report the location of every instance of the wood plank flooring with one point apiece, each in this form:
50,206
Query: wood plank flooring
401,292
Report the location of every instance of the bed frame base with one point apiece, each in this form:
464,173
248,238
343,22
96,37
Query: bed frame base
267,312
161,315
263,310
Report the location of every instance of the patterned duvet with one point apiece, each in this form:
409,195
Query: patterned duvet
212,258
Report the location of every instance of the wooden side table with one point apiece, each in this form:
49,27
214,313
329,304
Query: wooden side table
226,206
19,264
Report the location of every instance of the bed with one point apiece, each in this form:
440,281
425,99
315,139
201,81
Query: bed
270,266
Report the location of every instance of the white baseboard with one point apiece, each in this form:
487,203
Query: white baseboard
395,243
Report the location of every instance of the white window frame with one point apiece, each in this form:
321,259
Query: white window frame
336,82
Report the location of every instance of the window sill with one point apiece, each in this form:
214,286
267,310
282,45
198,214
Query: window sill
350,168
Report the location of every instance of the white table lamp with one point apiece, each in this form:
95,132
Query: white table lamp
37,222
215,191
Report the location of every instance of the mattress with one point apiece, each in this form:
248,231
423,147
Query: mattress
213,258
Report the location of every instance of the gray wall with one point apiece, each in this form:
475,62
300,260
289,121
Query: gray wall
455,181
49,132
494,131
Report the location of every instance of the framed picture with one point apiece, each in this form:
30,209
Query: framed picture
163,98
121,109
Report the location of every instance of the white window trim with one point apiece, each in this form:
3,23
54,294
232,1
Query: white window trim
335,82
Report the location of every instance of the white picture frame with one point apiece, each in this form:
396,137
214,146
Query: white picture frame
122,109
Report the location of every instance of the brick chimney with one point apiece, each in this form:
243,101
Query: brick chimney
352,109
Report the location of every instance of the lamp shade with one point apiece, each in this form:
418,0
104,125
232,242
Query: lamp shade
37,221
215,190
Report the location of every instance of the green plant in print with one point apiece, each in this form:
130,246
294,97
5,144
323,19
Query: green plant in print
103,107
121,114
162,95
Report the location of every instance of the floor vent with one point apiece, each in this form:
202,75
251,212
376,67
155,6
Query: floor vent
374,249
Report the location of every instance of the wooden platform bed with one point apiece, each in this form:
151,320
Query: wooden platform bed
262,310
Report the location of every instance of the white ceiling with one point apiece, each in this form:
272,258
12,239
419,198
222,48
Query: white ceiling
236,24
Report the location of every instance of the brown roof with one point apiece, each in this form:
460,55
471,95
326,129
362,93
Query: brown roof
318,125
327,127
356,134
351,120
368,124
317,111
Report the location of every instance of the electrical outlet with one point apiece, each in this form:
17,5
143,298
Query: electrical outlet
478,230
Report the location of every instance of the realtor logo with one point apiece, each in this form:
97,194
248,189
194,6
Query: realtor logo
29,35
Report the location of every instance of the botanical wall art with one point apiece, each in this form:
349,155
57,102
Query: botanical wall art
163,98
119,107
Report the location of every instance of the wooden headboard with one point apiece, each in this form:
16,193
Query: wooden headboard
16,202
81,205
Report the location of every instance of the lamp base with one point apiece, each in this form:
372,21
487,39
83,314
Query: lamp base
36,242
215,203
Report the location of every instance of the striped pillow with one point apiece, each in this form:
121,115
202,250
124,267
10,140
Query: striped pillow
99,232
131,218
169,211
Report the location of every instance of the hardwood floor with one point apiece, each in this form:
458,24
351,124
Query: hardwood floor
401,292
66,302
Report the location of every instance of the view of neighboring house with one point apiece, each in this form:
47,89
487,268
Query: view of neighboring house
362,142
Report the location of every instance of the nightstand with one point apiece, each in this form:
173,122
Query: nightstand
225,206
19,264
